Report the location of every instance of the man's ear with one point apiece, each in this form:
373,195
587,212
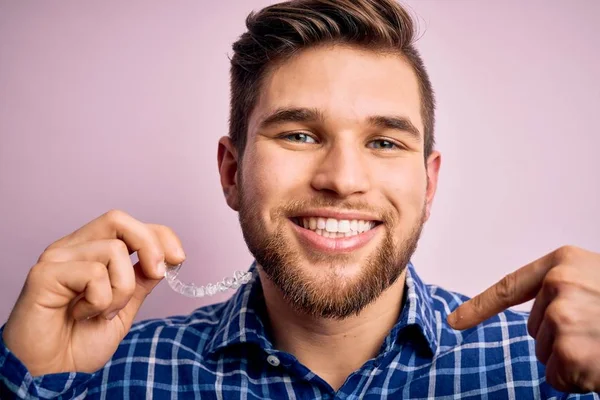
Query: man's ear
433,169
227,158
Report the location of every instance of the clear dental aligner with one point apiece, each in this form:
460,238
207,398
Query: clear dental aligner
191,290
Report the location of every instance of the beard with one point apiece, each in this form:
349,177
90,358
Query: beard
328,294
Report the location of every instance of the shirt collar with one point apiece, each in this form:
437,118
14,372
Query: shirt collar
417,312
242,316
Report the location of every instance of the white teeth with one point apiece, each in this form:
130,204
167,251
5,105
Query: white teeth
344,226
361,226
320,223
331,227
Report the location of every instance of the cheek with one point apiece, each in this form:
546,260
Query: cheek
274,172
271,179
406,188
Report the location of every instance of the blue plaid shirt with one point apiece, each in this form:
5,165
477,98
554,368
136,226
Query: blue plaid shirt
223,351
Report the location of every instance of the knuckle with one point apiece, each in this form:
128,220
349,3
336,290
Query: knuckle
556,275
556,279
101,302
565,253
163,229
171,233
37,274
167,237
506,288
117,247
97,270
477,303
51,246
52,254
115,215
45,256
559,314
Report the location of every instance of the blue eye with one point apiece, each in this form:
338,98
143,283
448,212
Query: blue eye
300,137
382,144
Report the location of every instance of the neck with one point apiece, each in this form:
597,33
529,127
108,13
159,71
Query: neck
333,349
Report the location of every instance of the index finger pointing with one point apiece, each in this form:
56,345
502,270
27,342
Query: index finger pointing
515,288
138,237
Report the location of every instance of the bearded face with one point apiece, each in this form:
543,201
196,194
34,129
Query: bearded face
333,187
329,292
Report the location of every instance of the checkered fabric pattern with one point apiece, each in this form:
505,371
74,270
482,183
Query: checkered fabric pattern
223,351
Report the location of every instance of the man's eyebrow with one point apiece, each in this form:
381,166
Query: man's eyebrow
395,122
296,114
305,114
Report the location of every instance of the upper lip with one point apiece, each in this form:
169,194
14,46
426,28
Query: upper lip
337,214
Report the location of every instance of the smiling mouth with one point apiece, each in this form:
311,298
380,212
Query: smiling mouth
335,228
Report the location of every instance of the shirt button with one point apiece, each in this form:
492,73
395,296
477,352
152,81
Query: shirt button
273,360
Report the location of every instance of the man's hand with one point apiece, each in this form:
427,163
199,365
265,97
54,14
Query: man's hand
80,299
564,320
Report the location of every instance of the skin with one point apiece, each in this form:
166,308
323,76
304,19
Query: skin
82,295
344,162
564,318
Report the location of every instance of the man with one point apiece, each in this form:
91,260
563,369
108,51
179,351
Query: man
330,162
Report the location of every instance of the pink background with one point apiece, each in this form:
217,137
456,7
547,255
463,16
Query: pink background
105,104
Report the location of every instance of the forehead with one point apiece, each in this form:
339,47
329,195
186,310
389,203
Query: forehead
345,83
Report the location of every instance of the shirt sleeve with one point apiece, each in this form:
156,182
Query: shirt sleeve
17,383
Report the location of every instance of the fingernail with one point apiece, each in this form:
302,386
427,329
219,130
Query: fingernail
161,268
180,253
112,315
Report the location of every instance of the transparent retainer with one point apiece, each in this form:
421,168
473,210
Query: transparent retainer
191,290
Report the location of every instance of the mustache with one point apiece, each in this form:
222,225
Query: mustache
295,207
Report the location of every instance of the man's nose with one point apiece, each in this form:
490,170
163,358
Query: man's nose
342,170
